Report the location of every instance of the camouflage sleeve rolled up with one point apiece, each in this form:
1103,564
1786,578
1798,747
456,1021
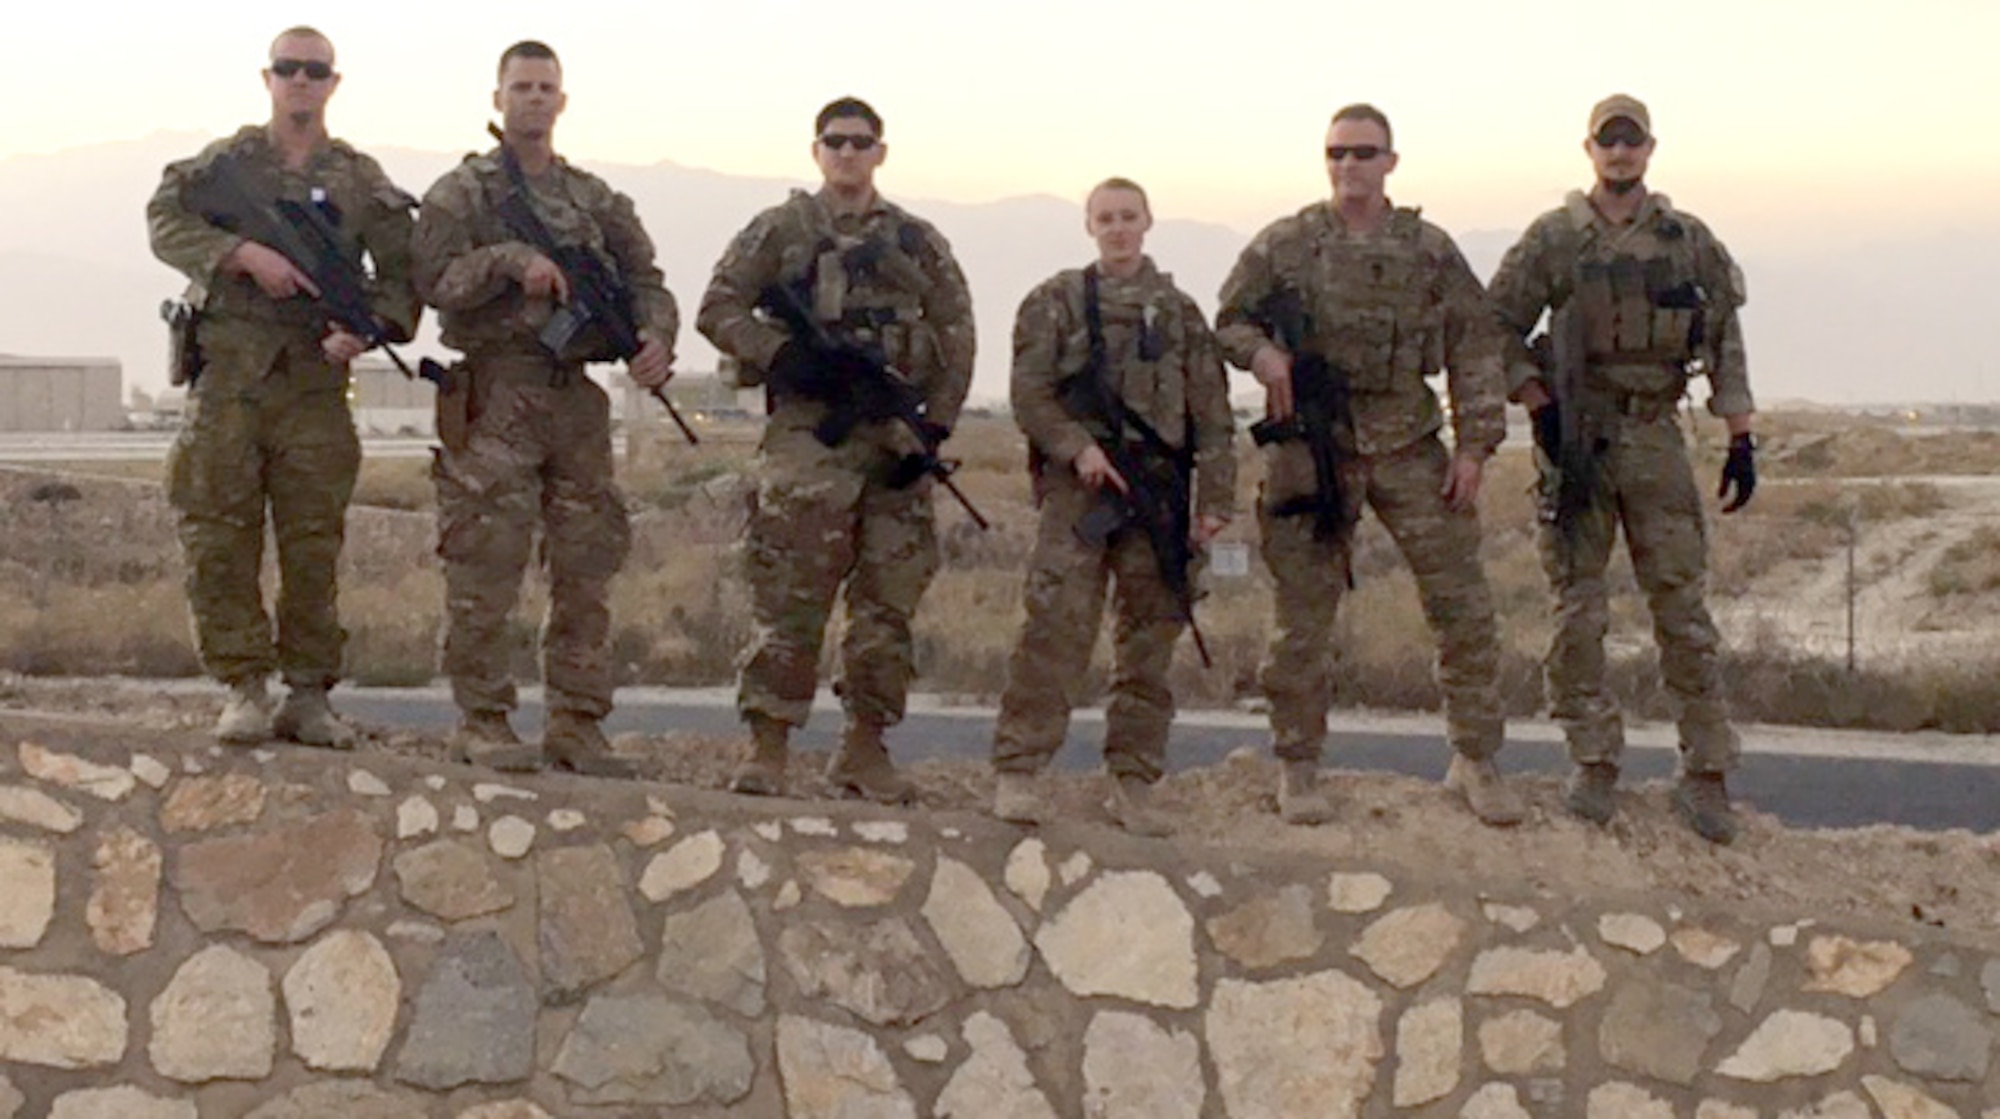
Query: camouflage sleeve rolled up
386,233
626,238
453,271
726,318
1043,328
1213,424
181,238
948,310
1249,284
1728,366
1473,346
1523,287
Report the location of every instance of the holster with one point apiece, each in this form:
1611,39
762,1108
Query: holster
454,408
184,360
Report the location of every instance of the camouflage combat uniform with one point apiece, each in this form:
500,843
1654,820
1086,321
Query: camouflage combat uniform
1391,308
823,515
1161,361
268,422
536,444
1639,360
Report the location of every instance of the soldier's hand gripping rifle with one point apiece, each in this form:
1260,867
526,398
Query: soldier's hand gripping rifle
1321,416
306,234
598,297
873,392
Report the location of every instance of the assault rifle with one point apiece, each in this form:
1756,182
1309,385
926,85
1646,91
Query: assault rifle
1162,513
880,394
306,234
598,298
1321,416
1575,452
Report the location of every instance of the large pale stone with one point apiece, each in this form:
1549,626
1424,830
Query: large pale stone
451,879
1857,969
833,1072
61,1021
683,866
855,877
206,803
1939,1037
342,1099
1658,1029
1561,979
1634,932
151,770
342,996
1429,1039
122,1102
1134,1068
1522,1043
1295,1047
216,1020
510,837
650,1049
1625,1101
415,817
1407,946
124,902
1268,930
977,932
1840,1105
22,805
105,782
27,892
1790,1043
994,1081
1357,893
878,971
1901,1101
362,783
473,1020
1128,935
588,933
505,1109
712,952
1027,872
1704,949
1494,1101
280,886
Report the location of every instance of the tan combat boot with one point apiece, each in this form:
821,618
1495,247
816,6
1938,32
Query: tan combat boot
1300,798
307,719
246,714
1018,798
1131,805
1703,801
576,743
762,774
861,767
1496,803
486,738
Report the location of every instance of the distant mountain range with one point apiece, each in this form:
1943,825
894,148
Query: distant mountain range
1873,323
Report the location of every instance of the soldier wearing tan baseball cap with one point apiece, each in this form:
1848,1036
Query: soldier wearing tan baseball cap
1620,105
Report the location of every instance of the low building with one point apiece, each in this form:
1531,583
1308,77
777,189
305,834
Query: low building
61,394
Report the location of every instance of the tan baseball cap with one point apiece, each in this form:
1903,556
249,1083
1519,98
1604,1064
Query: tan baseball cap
1620,105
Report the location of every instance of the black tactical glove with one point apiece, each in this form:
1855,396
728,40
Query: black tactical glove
911,468
1741,468
1549,429
797,371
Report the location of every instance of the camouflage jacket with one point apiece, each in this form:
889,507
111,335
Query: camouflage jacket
1649,351
1390,309
373,214
883,277
1160,360
469,263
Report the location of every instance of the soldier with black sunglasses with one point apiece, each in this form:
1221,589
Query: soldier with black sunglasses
1642,299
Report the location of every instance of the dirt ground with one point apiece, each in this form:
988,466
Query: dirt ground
1878,875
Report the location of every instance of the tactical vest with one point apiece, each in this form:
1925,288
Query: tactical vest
1145,359
1377,312
1642,303
868,289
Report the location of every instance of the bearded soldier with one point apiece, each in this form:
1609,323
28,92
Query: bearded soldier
1343,313
1642,298
836,302
268,424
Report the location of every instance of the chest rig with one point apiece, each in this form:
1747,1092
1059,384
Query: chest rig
1639,294
1375,303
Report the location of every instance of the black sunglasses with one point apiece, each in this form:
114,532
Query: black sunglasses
839,140
1621,132
289,67
1363,152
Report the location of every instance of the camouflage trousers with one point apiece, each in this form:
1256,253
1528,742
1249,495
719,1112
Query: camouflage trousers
1064,596
267,427
536,454
824,521
1442,548
1646,484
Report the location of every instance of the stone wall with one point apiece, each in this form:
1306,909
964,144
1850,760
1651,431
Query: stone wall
187,934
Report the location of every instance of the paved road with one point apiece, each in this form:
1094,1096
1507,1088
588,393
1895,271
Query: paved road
1807,778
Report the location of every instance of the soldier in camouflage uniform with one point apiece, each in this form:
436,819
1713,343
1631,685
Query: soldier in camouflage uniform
882,281
1389,303
526,433
268,424
1657,296
1159,361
